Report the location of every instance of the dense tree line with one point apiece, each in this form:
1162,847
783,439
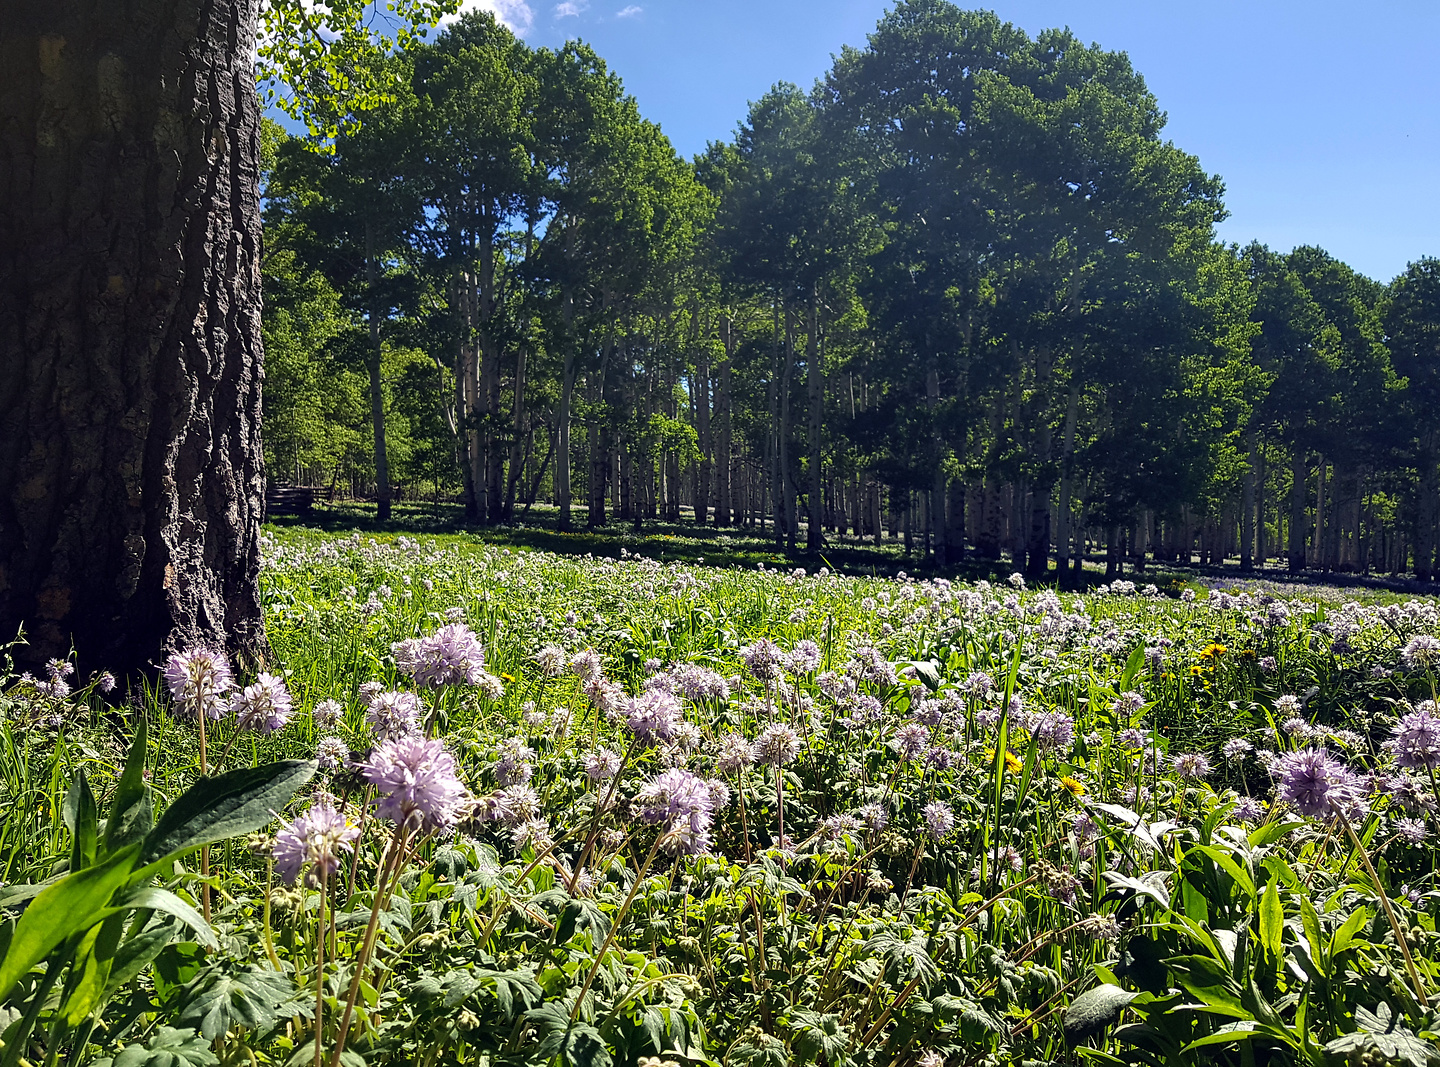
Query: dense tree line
963,293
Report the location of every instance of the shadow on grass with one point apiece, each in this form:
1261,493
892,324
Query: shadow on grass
732,546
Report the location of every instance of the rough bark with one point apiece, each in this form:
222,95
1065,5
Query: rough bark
815,386
131,486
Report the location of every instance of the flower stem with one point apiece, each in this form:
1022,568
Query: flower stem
1389,914
614,929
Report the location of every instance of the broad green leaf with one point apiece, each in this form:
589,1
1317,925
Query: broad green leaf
168,1048
82,817
1345,936
222,999
1229,866
1095,1009
1210,981
94,960
1226,1035
131,810
70,906
215,809
1311,922
165,901
1272,920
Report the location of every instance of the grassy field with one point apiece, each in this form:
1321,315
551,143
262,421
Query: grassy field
669,798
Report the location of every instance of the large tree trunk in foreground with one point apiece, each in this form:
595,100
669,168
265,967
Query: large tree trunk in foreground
131,488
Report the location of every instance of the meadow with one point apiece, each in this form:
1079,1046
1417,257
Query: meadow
485,804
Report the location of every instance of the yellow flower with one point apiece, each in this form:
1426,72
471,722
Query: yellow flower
1012,762
508,677
1197,670
1076,787
1212,651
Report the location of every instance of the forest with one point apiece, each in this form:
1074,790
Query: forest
962,292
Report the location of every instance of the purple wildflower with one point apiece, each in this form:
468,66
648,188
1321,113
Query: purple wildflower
654,715
763,659
683,804
939,820
331,752
416,776
1054,731
452,655
777,744
264,705
1420,651
328,714
1314,781
804,657
199,681
911,740
1192,766
1417,738
735,754
1236,749
394,714
314,840
602,764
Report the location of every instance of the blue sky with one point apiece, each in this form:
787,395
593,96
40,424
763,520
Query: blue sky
1322,117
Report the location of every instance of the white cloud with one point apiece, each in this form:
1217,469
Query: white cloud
570,8
629,12
515,14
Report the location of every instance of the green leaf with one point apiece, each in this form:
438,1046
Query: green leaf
82,817
94,961
1272,920
168,1048
1209,980
215,809
1311,922
138,950
1345,936
1092,1011
1398,1047
131,811
818,1035
1228,1034
165,901
219,999
69,907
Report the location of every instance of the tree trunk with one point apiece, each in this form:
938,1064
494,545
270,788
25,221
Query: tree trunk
562,442
1247,509
700,396
723,452
815,386
377,387
1299,478
131,481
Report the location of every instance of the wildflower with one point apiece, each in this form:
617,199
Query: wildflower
327,714
654,715
1420,652
1236,749
1287,705
1248,809
777,744
1131,738
602,764
1417,738
313,840
1187,595
264,705
416,776
1269,664
586,665
763,659
1101,927
873,816
59,668
1054,731
331,752
106,682
735,754
394,714
1127,704
1295,726
1412,831
1214,650
1314,781
512,806
198,681
1012,761
804,657
1074,786
683,804
551,661
978,685
1192,766
939,819
910,741
513,767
